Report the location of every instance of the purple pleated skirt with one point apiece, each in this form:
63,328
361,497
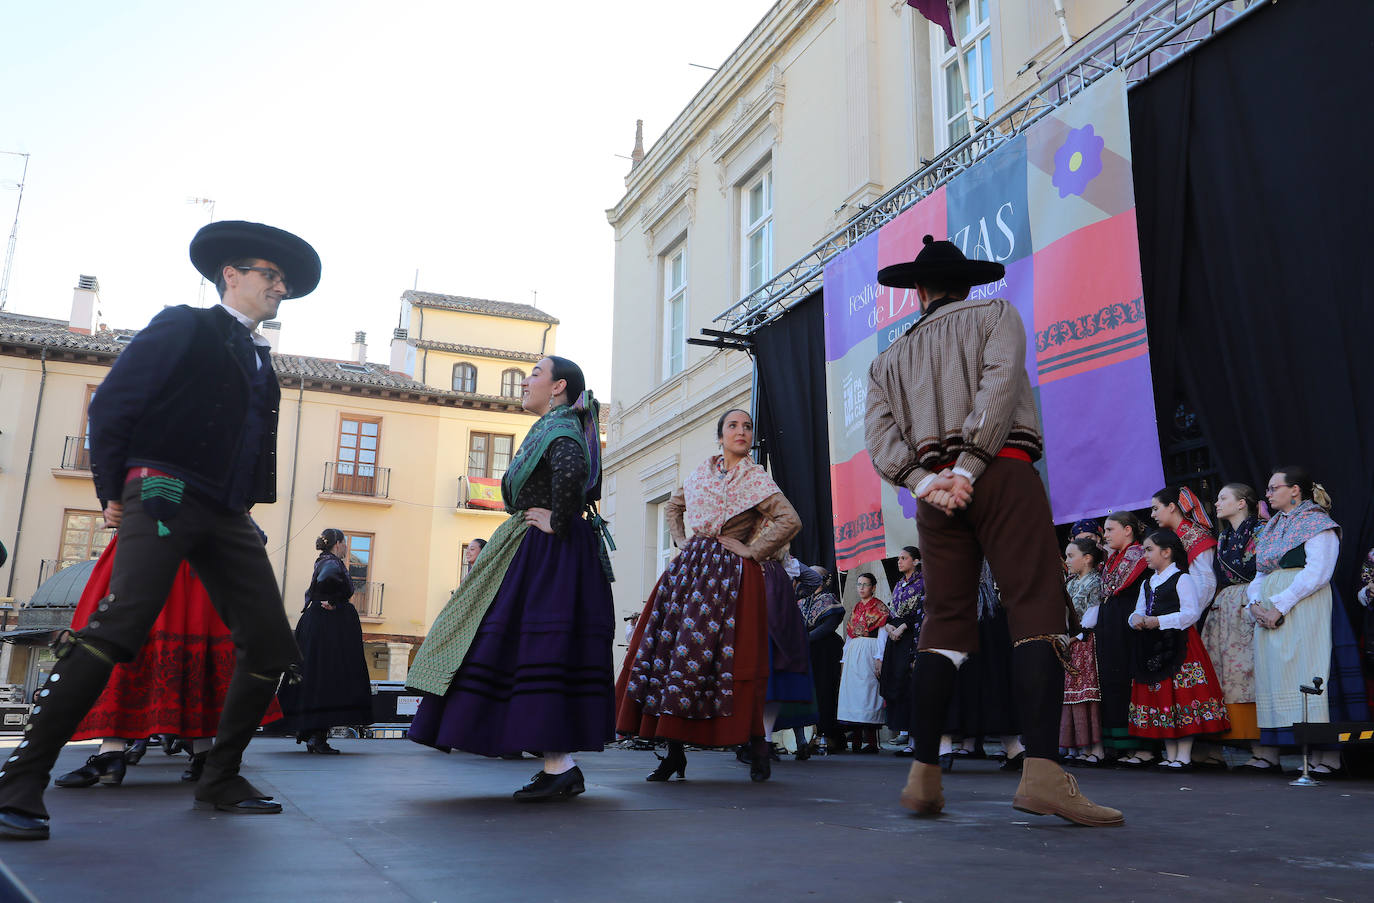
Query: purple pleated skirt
538,676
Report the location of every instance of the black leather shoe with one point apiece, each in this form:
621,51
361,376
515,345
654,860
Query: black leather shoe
673,763
105,768
552,787
134,752
1013,763
761,764
18,826
319,743
195,768
243,807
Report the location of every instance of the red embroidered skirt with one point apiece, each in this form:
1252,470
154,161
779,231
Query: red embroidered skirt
748,681
1187,704
177,682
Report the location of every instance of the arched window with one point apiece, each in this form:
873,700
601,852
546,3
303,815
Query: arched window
510,382
464,378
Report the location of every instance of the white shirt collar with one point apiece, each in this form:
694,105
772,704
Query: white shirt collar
248,324
1164,575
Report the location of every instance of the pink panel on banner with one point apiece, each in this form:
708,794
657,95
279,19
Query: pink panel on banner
855,494
900,240
1089,311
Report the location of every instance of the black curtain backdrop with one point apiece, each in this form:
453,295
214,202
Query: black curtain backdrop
1253,192
791,423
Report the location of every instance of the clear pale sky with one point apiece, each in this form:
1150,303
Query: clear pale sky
473,141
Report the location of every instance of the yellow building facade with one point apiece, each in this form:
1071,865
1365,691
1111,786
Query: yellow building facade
387,453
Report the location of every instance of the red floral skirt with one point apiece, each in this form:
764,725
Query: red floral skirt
744,611
1189,703
177,682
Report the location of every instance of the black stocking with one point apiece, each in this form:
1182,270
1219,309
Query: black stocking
1039,678
932,688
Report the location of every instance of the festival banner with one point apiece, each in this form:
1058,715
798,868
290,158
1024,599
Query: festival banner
1056,205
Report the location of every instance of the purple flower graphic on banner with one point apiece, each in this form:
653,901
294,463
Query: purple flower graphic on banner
907,501
1078,161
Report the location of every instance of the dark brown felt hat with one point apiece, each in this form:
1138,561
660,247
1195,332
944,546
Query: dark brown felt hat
218,243
940,262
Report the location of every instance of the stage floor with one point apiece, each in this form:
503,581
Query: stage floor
389,820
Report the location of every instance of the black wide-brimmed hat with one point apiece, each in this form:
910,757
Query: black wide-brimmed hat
218,243
942,263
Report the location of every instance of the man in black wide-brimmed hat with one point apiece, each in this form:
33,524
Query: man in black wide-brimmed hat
951,418
183,435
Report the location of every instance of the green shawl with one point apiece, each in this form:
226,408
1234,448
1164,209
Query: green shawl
448,641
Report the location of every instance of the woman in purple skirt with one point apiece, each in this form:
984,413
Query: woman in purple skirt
520,657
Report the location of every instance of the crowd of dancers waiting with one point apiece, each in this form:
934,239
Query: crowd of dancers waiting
1185,639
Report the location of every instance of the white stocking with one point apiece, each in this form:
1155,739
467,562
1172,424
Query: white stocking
1183,749
558,762
1011,745
770,715
111,744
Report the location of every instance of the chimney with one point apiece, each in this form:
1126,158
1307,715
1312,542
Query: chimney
360,347
402,354
637,155
271,331
85,305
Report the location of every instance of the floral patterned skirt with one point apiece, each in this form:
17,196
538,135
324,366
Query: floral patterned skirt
1229,636
1189,703
697,666
1080,722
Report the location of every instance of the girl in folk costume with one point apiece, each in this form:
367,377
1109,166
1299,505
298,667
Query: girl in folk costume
1299,632
1176,695
1179,509
903,630
861,701
697,669
520,657
1080,729
1228,634
1122,576
334,688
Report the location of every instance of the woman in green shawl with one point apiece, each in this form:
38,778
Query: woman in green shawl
520,657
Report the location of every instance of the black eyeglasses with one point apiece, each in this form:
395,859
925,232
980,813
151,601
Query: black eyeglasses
272,276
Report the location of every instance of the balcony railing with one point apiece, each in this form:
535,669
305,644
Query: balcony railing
47,567
347,478
483,494
76,454
367,598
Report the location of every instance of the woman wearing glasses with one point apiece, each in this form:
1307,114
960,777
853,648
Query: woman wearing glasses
1299,634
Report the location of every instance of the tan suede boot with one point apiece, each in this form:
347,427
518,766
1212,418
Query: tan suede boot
1047,790
922,793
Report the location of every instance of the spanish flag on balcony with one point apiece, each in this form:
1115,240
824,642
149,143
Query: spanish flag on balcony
485,492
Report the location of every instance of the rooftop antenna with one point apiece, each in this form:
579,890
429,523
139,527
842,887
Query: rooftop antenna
200,300
14,230
416,285
535,292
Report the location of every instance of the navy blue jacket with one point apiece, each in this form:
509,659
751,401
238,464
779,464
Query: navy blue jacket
178,399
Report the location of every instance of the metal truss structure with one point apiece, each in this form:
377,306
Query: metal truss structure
1148,40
